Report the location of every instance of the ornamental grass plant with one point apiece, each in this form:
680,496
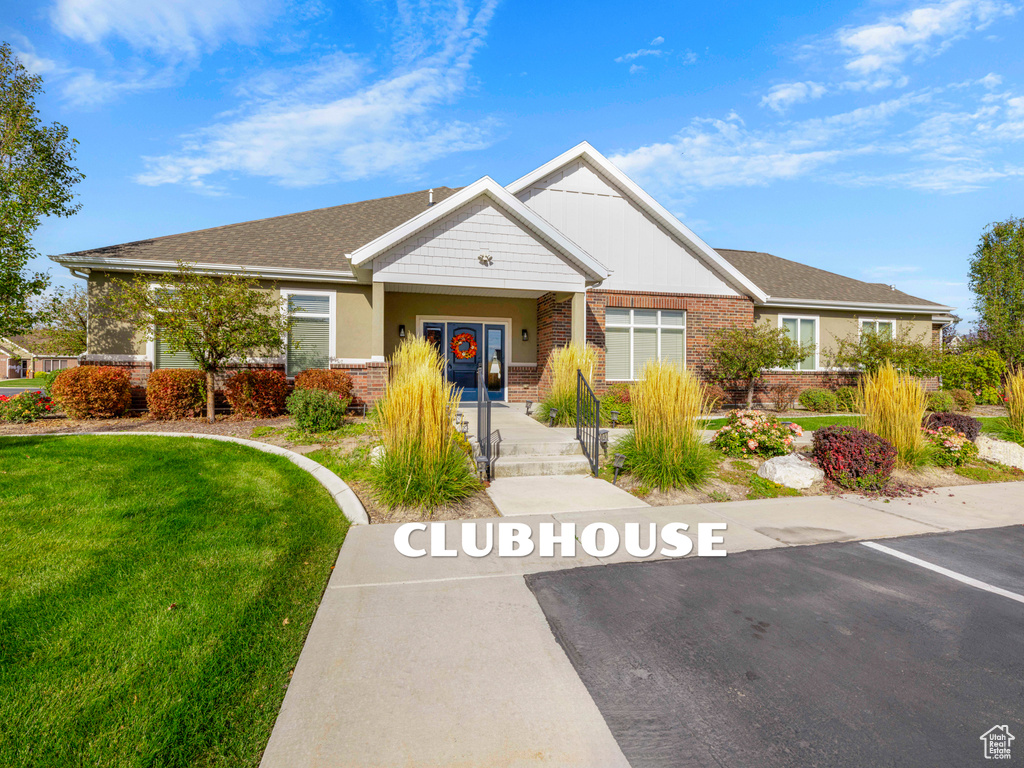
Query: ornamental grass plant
562,365
893,405
664,448
1014,390
422,464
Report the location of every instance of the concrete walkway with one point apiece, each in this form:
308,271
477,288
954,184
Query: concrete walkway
449,661
557,493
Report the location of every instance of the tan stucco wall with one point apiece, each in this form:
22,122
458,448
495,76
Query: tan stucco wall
403,308
352,326
839,325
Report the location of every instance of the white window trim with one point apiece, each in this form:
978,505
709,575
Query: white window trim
332,314
658,326
817,342
876,320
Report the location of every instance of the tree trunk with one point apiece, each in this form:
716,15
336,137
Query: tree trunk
750,392
210,384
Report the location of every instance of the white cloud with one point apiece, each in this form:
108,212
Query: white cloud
886,44
174,29
635,69
334,119
637,54
991,80
783,96
657,41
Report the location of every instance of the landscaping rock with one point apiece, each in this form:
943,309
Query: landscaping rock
791,471
1000,451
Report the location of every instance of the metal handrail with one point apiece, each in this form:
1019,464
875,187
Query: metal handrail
588,421
488,443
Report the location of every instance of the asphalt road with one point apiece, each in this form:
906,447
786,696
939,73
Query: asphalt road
828,655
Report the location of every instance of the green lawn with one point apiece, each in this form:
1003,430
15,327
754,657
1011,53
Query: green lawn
22,383
998,427
807,422
154,595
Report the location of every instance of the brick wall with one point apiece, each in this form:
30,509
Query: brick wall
522,383
554,329
368,380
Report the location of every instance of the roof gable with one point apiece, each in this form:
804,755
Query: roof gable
649,205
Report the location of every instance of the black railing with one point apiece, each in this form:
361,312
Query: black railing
488,443
588,421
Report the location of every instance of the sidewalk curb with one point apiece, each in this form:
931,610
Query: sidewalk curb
343,496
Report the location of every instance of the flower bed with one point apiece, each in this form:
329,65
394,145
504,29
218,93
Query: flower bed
952,448
753,433
24,408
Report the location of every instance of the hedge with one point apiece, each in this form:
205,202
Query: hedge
258,394
93,391
176,393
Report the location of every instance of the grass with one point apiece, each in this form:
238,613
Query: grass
808,422
423,464
563,364
351,466
760,488
999,427
664,448
988,472
1015,400
22,383
894,404
155,593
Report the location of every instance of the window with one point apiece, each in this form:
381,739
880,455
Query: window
883,327
803,330
309,341
634,336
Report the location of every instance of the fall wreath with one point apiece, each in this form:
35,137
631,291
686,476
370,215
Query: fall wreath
457,349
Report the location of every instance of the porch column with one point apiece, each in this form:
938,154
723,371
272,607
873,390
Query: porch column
579,318
377,326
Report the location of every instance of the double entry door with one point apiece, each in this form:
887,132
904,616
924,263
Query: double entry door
465,346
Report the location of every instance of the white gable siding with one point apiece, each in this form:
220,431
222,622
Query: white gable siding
592,212
448,253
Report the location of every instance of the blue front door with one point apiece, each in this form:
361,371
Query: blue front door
478,344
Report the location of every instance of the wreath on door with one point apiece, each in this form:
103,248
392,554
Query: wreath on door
467,353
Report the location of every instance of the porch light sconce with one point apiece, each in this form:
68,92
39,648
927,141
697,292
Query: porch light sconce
401,331
615,419
526,335
618,462
551,416
529,407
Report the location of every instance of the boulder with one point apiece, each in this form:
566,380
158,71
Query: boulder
792,471
1000,451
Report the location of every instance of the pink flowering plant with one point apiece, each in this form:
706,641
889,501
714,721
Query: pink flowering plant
24,408
952,448
755,433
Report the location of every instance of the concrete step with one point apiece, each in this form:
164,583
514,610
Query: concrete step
541,448
525,466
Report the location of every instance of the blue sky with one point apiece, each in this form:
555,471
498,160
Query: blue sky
873,139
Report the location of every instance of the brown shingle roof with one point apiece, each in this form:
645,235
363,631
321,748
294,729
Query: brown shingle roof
35,342
785,279
310,240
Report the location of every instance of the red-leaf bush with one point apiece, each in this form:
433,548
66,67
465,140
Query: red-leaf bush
715,396
964,400
93,391
257,394
960,422
339,382
854,458
175,393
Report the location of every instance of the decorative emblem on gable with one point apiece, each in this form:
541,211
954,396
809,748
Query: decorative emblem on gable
485,258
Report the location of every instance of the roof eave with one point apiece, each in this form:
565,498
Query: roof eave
777,301
148,266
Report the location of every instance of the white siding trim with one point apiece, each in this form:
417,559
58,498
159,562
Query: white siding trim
817,341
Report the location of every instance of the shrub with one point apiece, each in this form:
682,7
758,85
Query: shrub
784,394
317,410
854,458
339,382
846,399
819,400
894,406
979,371
664,448
715,396
952,448
93,391
958,421
422,463
258,394
964,400
1015,400
175,393
617,399
563,364
754,433
940,402
24,408
46,381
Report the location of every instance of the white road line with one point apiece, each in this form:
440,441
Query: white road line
945,572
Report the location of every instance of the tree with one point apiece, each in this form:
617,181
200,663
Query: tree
869,351
36,180
64,316
744,354
215,320
997,280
